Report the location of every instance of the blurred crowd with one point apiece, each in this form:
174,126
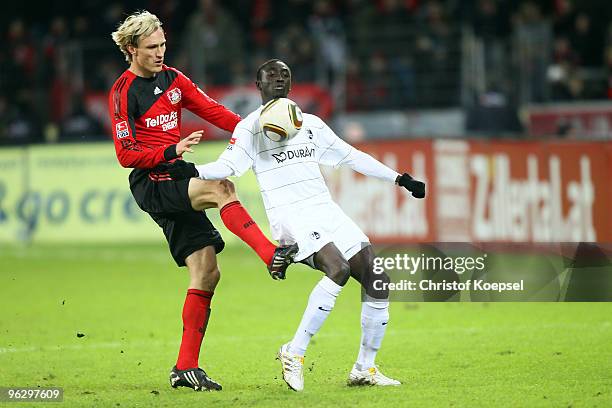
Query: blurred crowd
369,54
560,50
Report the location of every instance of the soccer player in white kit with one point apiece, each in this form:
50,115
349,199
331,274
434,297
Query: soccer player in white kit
300,210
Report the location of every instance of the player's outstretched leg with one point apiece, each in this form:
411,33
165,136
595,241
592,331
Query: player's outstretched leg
221,194
195,378
292,367
236,219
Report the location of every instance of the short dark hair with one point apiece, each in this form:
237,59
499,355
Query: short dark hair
262,66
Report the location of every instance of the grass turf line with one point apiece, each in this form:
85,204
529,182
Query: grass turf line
127,301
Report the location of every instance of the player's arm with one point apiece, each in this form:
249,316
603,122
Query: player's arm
236,159
336,152
365,164
206,107
129,152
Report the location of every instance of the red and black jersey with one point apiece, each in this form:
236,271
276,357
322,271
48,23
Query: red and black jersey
146,115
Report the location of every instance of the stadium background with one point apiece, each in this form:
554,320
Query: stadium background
511,97
502,107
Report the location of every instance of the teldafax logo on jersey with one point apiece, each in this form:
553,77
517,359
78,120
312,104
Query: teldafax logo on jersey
167,122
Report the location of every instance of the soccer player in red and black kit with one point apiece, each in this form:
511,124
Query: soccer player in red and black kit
145,108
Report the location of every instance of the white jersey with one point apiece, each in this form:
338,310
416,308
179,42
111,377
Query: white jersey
287,172
290,181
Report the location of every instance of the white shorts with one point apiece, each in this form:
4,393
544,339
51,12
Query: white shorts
315,226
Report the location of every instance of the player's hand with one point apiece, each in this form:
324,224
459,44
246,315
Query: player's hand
180,170
185,144
416,187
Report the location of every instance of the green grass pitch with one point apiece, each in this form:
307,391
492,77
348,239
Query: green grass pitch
127,301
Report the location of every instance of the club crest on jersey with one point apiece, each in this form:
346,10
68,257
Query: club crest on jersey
174,95
122,130
231,144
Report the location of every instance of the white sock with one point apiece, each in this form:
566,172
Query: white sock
374,319
320,303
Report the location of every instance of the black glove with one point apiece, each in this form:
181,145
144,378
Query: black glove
178,170
417,188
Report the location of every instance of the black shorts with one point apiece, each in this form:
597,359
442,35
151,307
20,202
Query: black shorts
167,202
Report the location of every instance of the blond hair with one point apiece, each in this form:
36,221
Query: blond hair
137,25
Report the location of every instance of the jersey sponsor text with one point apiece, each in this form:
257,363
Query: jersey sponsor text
293,154
167,121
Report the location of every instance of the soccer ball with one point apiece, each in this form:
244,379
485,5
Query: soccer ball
280,119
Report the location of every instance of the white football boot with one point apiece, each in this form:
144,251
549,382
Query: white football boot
293,368
371,376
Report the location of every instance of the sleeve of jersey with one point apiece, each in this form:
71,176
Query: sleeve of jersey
367,165
206,107
336,152
129,152
236,159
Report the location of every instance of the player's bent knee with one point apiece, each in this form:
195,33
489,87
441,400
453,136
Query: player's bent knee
214,275
203,270
210,271
203,194
226,193
213,193
339,273
227,187
376,286
205,277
